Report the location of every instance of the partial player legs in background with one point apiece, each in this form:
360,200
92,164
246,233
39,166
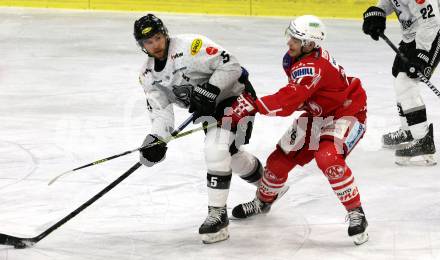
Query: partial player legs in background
398,139
420,150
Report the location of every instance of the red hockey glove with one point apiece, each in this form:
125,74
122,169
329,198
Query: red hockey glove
245,105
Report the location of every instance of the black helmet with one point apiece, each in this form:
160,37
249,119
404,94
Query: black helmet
146,27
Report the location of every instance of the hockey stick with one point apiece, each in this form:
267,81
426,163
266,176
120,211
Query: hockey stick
20,242
405,59
166,140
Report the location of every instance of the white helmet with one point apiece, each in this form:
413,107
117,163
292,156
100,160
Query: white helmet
307,28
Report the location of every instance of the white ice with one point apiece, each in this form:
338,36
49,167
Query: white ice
70,95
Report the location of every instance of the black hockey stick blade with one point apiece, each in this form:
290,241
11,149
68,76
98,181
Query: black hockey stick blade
17,242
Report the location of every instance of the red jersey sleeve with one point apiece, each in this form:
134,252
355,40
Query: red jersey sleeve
305,81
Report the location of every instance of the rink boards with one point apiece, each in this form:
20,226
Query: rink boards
334,8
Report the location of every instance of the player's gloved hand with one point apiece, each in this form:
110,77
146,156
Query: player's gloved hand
418,61
374,22
245,105
154,153
203,99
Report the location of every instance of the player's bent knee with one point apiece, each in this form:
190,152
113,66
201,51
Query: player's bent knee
243,162
328,156
279,163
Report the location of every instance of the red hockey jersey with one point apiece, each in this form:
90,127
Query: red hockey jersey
318,85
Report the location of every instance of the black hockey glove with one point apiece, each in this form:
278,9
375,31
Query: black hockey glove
374,22
203,99
418,61
154,154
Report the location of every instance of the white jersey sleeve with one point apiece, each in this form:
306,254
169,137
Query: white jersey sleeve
386,6
160,112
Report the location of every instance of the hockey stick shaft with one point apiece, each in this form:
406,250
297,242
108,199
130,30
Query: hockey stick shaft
175,135
18,242
184,124
405,59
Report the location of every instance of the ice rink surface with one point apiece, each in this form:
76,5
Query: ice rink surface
69,95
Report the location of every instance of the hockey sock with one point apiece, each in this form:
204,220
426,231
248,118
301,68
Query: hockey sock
338,174
275,175
411,104
402,117
218,188
416,118
270,186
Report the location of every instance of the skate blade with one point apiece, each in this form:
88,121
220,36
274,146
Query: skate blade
210,238
421,160
281,193
361,238
395,146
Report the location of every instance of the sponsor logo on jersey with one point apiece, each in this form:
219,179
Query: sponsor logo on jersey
185,77
420,2
335,172
406,23
348,193
313,24
354,136
156,82
176,55
211,50
146,30
147,71
196,46
302,72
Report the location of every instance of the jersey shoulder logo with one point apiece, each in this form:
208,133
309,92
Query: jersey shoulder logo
302,72
176,55
196,46
211,50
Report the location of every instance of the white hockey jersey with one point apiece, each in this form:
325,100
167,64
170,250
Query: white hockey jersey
419,19
192,60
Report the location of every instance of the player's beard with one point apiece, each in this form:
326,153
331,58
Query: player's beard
160,54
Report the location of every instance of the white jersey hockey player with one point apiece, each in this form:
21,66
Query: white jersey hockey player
193,72
420,24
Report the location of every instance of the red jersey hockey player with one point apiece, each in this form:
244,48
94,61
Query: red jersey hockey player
331,125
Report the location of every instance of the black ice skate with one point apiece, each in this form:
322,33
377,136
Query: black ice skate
256,206
396,139
358,226
419,152
215,227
